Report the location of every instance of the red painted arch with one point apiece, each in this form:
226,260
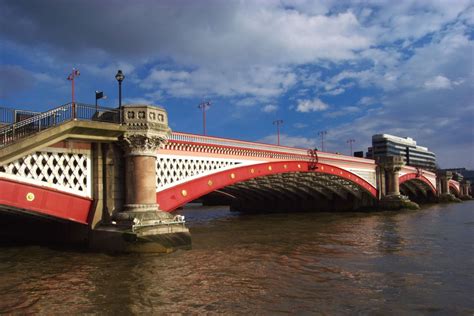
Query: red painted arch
44,201
171,198
411,176
456,190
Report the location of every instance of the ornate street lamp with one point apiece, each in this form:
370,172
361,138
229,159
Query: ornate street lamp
204,106
278,123
322,134
75,73
120,76
350,141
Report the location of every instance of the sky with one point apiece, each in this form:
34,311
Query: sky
351,68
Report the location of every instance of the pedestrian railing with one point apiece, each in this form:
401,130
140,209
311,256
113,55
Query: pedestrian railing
39,122
10,116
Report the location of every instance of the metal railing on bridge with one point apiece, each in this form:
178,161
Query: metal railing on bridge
37,122
210,140
9,116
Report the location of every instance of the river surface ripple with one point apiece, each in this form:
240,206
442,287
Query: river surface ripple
390,263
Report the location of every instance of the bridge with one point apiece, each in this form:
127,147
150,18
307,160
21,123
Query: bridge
124,173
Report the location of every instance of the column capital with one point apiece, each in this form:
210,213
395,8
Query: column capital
146,129
391,163
443,174
142,144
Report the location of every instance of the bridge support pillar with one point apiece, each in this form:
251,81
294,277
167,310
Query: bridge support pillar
465,190
141,225
443,178
389,173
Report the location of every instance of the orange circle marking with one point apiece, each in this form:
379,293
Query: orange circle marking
252,170
270,168
299,166
184,192
30,197
209,183
232,176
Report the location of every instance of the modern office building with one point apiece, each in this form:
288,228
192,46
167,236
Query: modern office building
414,155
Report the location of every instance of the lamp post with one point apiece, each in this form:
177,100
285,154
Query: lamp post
204,105
322,134
278,123
350,141
120,76
75,73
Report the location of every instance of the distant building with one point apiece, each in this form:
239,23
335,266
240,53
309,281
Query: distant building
413,155
463,172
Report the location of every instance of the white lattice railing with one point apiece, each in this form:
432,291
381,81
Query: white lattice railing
172,170
55,168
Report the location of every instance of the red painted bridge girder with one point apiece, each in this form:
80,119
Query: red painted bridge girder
416,176
172,198
44,201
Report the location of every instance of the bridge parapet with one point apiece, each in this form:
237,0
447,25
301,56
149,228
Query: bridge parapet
187,156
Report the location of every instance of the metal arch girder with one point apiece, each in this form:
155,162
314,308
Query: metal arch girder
238,192
273,188
297,178
273,182
422,185
258,186
318,189
340,183
285,181
414,185
285,187
327,182
295,189
318,185
406,186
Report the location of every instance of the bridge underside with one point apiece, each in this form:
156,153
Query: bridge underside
293,191
418,191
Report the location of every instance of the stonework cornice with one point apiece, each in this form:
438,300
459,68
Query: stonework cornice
142,144
146,129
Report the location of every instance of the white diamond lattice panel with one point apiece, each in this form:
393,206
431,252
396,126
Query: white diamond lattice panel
170,170
60,170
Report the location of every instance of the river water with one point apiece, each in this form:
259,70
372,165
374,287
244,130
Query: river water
386,263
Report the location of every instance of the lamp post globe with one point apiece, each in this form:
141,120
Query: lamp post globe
120,76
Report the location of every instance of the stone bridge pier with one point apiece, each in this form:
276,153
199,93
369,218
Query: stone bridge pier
444,193
465,190
140,225
388,174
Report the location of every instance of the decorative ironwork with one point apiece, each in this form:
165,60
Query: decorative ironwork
313,159
419,172
61,170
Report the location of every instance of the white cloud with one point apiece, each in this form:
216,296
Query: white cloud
300,125
269,108
366,101
342,112
291,141
336,91
438,82
261,82
306,106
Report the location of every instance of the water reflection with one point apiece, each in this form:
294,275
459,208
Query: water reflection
389,238
342,263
